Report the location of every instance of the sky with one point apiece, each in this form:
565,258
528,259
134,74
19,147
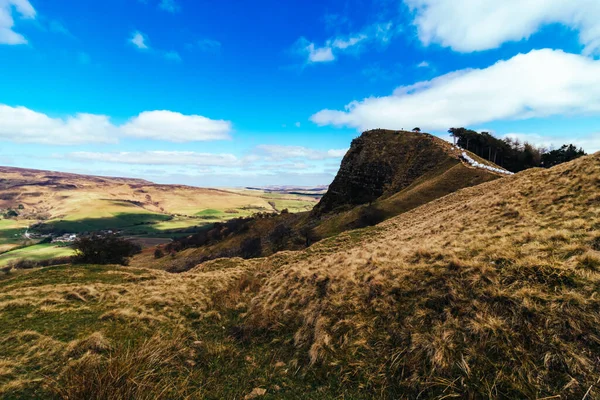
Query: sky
238,93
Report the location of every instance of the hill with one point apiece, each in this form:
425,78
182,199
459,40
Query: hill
55,202
54,195
489,292
384,173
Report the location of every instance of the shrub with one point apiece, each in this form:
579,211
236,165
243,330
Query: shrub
104,250
158,253
309,235
369,216
279,237
11,214
251,248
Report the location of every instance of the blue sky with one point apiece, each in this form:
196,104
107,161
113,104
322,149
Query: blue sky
223,93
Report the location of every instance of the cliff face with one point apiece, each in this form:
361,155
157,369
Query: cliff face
381,163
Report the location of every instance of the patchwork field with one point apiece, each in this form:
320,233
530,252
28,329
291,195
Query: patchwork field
36,252
61,203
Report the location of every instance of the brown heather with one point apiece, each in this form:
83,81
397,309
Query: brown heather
490,292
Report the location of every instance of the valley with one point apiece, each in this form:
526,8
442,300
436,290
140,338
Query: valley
40,206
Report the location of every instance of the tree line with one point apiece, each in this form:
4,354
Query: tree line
512,154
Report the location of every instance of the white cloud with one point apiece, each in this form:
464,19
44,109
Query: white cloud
474,25
336,153
175,127
423,64
158,158
380,33
541,83
138,39
20,124
169,6
24,9
314,54
280,152
298,124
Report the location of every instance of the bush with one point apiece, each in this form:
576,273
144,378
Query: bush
251,248
104,250
279,237
369,216
11,214
158,253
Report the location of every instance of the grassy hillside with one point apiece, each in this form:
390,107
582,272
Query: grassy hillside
384,173
489,292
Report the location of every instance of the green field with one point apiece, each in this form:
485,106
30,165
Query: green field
11,233
130,220
36,252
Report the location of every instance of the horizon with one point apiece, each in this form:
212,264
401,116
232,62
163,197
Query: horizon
222,95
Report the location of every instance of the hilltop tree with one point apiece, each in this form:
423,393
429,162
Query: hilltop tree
417,129
509,153
565,154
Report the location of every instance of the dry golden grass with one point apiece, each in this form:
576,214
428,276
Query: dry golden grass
491,292
488,292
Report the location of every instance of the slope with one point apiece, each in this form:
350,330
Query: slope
489,292
384,173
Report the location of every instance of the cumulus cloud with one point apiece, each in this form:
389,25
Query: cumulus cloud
176,127
279,152
22,8
474,25
379,33
138,39
188,158
541,83
20,124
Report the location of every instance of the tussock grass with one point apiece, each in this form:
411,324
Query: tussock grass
459,298
146,371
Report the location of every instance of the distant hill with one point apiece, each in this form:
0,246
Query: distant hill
52,195
50,202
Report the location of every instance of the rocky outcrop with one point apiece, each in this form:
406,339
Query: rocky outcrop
381,163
